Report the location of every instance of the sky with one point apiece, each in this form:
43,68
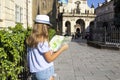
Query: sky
95,2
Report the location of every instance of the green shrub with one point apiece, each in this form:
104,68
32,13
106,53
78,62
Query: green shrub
13,51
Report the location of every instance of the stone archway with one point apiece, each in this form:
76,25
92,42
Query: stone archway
68,28
81,25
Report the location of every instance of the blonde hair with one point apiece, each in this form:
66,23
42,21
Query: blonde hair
39,34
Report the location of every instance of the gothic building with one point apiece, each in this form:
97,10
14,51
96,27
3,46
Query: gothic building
45,7
105,33
104,21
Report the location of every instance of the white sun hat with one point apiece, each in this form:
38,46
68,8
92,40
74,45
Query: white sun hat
43,19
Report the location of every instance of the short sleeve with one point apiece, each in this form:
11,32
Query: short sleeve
43,47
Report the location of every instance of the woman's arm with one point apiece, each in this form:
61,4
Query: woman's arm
51,57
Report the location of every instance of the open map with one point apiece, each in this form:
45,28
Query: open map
56,42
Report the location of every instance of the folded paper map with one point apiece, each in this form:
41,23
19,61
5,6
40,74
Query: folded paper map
56,42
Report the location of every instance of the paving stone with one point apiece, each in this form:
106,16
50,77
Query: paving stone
82,62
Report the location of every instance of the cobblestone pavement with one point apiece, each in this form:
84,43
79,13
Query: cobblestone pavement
82,62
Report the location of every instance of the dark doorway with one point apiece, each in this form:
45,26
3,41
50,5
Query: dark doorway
82,27
68,28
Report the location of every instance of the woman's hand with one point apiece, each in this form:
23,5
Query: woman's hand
51,57
64,47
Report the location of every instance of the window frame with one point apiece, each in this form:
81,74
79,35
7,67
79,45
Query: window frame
18,14
0,10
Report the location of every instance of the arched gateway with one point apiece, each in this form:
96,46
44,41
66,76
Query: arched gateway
80,25
68,28
73,20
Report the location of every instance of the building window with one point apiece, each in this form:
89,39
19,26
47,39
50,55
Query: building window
0,8
21,14
18,14
86,11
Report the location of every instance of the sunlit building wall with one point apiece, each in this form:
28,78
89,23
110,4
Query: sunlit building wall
15,11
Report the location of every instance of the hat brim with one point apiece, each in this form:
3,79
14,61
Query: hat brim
43,22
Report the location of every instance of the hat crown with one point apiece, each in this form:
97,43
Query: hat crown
43,19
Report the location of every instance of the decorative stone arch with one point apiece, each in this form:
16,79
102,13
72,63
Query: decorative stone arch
80,23
68,28
84,22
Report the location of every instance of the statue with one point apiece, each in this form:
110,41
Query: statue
77,9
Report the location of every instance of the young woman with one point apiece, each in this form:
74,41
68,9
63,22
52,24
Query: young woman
40,57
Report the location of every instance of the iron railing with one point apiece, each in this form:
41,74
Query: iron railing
105,35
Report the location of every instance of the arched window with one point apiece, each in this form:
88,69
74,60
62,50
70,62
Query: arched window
0,8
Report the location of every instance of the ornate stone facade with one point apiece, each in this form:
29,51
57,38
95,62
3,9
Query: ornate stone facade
76,14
